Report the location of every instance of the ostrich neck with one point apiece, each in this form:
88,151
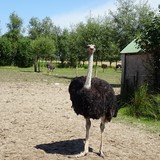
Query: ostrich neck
87,84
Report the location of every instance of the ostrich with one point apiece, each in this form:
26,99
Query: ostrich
50,67
118,66
104,66
92,98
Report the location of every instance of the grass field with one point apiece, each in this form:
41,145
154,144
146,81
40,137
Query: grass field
60,75
64,75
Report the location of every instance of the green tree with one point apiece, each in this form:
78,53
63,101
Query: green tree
113,53
5,51
34,28
90,33
14,33
144,15
42,47
74,48
128,20
44,28
81,41
63,46
24,56
110,45
57,41
48,29
124,21
0,29
149,41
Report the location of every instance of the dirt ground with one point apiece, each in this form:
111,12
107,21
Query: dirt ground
38,123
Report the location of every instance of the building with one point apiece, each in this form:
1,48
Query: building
135,67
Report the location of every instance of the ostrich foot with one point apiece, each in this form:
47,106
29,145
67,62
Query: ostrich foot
82,154
101,154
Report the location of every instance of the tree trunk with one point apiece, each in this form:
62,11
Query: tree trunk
35,65
39,67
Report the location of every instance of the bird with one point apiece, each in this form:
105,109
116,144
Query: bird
50,67
92,98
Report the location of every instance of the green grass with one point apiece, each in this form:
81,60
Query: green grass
61,75
142,123
64,75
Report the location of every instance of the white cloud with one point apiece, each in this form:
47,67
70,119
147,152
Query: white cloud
154,3
65,20
74,17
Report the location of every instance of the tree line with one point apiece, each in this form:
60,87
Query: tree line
110,33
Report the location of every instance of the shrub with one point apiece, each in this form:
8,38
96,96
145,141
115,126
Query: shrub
23,57
143,104
155,107
62,65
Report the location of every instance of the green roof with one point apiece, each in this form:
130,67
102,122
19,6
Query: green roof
131,48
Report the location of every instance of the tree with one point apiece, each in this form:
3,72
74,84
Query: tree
14,33
42,47
44,28
14,27
149,41
63,46
144,15
124,21
5,51
128,20
34,28
57,39
81,42
113,53
91,33
110,45
48,29
24,56
0,29
44,36
76,53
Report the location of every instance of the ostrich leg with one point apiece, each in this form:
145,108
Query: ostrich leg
88,125
102,127
86,146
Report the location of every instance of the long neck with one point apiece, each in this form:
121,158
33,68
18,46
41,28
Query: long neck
87,84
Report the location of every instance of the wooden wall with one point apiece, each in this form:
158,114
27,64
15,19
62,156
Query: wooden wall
135,70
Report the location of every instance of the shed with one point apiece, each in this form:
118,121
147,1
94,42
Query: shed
134,67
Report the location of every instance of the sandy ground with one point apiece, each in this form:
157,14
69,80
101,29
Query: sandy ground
38,123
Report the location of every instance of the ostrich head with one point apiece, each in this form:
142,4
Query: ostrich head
91,48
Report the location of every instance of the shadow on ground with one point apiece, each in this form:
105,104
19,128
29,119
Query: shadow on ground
116,85
64,77
67,147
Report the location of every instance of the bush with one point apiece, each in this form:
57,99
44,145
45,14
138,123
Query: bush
143,104
62,65
155,107
23,57
23,61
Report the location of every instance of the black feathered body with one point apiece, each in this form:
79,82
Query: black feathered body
95,102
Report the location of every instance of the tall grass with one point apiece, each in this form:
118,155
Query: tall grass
143,104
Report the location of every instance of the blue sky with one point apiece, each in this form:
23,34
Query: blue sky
63,12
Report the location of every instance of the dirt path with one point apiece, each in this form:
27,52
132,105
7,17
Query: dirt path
37,123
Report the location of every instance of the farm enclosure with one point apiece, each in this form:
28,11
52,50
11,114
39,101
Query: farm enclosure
37,122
